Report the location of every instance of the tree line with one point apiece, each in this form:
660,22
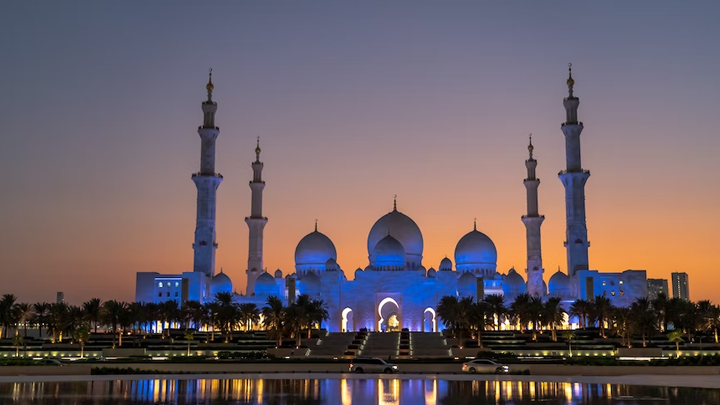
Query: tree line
642,319
60,320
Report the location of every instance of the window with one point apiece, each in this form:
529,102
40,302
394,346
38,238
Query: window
176,294
168,294
622,292
604,293
176,284
612,293
621,282
604,282
160,294
160,284
612,283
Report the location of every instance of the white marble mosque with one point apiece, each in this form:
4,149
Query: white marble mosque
394,290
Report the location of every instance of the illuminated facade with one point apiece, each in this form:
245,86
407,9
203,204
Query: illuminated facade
394,290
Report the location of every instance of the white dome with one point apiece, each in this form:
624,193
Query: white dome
389,252
278,273
514,284
445,265
221,283
559,284
476,251
402,228
431,273
314,250
266,285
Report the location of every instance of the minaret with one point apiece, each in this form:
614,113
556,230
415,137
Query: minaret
256,222
532,222
207,182
574,178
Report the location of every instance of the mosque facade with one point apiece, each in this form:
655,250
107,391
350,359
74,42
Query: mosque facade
394,290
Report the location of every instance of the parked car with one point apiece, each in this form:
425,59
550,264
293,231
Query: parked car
372,365
484,366
49,362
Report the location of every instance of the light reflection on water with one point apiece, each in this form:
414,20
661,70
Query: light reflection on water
346,392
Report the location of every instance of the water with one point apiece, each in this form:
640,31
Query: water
346,392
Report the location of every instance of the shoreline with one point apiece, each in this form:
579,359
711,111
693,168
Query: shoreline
690,381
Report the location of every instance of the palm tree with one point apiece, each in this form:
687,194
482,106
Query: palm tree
601,308
643,318
249,314
212,310
17,341
676,337
317,314
569,335
227,314
622,316
82,335
42,312
24,314
480,316
6,313
520,310
446,311
553,315
195,313
535,309
496,306
57,318
189,335
581,309
712,320
455,314
660,308
296,318
168,314
273,317
92,311
112,312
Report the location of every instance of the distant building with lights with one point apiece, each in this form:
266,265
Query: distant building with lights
394,289
680,286
657,286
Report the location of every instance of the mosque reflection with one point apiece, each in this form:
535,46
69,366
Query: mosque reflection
345,392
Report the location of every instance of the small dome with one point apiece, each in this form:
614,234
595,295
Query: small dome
278,273
221,283
559,283
369,267
358,271
402,228
513,283
266,285
314,249
445,265
331,265
388,252
431,273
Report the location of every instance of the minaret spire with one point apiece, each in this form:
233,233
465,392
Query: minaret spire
256,223
533,220
207,182
395,202
574,178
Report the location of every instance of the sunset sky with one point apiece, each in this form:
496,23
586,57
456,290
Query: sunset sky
353,103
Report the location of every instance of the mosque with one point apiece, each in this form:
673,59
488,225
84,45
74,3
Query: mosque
395,290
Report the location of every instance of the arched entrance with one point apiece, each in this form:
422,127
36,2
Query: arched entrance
429,322
389,312
348,321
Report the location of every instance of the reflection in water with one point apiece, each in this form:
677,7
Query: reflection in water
345,392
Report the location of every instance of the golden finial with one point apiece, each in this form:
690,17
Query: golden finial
210,86
315,224
570,81
395,202
257,148
474,224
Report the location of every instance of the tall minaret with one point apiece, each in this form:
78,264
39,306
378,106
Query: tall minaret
207,182
574,178
256,222
532,222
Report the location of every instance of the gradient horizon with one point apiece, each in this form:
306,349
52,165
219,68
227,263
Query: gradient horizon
353,104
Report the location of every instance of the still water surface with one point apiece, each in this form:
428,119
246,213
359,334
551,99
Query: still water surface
346,392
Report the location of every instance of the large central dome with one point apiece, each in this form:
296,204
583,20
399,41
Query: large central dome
402,228
313,252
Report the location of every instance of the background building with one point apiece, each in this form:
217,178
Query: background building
657,286
680,286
